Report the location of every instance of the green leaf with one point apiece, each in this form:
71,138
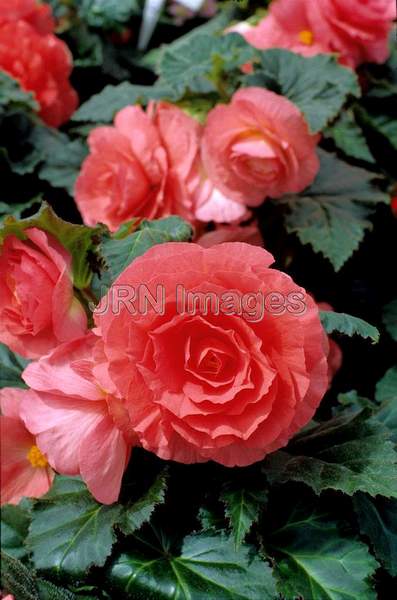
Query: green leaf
23,583
351,401
79,240
88,46
318,85
349,453
389,319
70,532
12,95
377,518
387,415
386,393
386,388
348,325
18,579
319,563
49,591
243,507
207,566
140,511
102,107
16,210
14,529
107,14
119,253
11,367
209,518
62,158
196,64
383,124
332,214
349,137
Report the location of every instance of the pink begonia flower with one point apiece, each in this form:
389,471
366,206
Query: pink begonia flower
148,165
249,234
357,31
38,309
259,145
25,471
143,166
206,384
78,420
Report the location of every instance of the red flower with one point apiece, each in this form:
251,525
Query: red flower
42,65
38,15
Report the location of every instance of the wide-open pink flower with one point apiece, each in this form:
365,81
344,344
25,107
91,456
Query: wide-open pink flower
80,423
38,309
37,14
259,145
143,166
357,31
42,65
204,380
25,471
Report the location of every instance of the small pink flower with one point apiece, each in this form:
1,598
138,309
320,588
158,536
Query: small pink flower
144,166
25,471
259,145
357,31
77,418
37,307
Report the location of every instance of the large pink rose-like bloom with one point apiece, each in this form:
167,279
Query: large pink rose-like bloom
143,166
259,145
37,14
37,307
78,419
357,30
203,385
25,471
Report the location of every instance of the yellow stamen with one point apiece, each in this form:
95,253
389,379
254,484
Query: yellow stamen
306,37
36,458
